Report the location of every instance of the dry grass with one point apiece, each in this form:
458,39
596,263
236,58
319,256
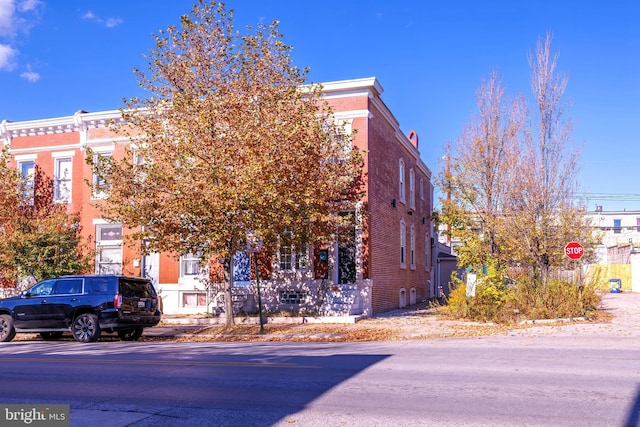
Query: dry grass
426,323
288,332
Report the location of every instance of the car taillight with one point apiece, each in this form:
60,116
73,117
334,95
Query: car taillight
117,301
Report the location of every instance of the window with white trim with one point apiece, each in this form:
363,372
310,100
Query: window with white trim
421,188
100,186
412,248
401,190
62,180
427,245
292,258
402,298
140,164
28,172
189,265
403,244
194,299
109,249
412,189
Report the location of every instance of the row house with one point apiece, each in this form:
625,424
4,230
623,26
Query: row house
388,264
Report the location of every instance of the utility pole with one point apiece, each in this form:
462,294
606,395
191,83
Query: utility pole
448,178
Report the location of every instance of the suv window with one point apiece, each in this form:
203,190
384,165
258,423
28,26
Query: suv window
103,285
68,286
42,289
136,288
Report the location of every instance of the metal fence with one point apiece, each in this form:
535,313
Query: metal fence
8,292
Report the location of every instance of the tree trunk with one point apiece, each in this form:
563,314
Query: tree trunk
228,301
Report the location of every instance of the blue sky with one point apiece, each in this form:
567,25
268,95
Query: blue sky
58,57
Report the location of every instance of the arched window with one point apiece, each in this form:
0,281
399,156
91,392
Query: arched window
412,248
412,189
403,244
401,191
427,247
413,296
402,298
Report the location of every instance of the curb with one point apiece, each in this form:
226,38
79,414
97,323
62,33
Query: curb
194,321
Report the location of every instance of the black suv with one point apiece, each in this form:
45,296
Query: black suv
84,305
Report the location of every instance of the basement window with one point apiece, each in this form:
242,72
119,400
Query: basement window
292,297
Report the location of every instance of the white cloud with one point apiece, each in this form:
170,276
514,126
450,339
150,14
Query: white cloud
29,5
7,17
7,55
89,15
30,76
16,17
109,22
113,22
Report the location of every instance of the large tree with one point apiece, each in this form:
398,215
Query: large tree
479,172
38,238
230,143
512,177
543,211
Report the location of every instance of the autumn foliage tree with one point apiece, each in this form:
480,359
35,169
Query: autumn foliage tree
544,214
478,178
39,238
512,181
230,143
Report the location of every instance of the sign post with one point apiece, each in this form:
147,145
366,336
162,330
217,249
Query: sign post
574,250
254,246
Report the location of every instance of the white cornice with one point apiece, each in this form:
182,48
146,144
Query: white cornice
352,86
352,114
76,123
81,121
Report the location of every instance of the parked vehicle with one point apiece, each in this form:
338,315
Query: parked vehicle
85,305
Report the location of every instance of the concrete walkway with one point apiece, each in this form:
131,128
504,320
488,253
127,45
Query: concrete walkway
422,322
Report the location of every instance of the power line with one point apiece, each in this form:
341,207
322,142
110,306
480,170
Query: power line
617,197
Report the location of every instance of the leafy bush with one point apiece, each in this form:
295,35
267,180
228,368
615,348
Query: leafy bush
558,299
498,302
490,303
457,305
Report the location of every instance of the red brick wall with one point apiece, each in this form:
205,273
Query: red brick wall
385,152
376,136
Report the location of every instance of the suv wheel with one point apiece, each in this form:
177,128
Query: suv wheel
130,334
7,331
51,336
85,328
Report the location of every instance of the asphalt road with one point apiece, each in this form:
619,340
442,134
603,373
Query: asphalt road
508,380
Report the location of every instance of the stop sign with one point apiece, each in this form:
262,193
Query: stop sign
574,250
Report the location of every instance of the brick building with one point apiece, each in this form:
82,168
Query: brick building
389,265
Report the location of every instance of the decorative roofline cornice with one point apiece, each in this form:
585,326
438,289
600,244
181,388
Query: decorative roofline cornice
80,121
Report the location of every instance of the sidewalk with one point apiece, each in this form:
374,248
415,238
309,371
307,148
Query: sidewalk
416,322
181,326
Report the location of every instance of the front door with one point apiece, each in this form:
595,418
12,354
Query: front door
347,256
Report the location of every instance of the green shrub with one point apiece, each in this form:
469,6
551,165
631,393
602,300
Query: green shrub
489,304
496,302
558,299
457,306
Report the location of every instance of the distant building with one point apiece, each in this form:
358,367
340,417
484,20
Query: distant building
620,229
390,265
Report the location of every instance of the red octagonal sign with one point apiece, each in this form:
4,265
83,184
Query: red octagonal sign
574,250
